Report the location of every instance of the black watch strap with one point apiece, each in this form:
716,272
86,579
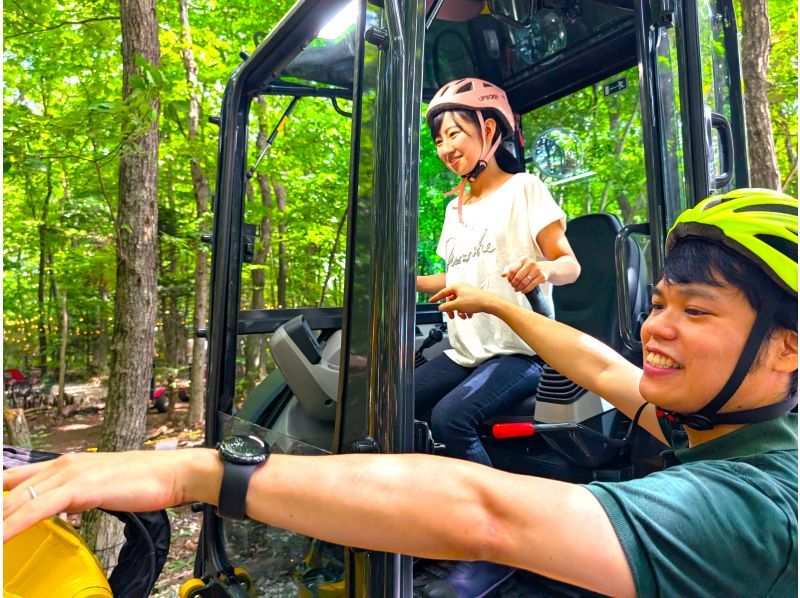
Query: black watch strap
233,491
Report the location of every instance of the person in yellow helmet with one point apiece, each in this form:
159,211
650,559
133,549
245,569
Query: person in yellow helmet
720,519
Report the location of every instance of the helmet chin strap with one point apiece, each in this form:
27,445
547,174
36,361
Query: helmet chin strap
708,417
479,168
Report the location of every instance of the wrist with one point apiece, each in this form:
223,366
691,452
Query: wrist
497,307
201,476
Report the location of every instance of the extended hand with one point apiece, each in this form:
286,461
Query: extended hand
525,274
464,300
130,481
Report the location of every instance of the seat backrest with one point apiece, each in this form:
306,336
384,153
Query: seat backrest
590,303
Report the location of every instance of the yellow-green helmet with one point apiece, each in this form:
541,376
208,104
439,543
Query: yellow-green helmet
759,224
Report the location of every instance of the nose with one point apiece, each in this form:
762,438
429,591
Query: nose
660,324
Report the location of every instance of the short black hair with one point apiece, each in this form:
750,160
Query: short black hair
705,261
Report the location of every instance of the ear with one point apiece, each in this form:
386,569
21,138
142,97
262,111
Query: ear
785,351
489,128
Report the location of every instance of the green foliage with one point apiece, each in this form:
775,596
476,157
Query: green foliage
66,124
782,79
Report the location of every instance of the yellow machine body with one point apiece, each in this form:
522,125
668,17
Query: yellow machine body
50,560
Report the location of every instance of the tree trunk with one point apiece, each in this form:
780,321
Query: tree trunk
255,344
16,425
790,154
202,193
170,310
199,346
755,64
617,153
62,356
42,274
331,258
280,194
100,353
135,302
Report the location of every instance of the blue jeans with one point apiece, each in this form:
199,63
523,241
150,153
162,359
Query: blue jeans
455,400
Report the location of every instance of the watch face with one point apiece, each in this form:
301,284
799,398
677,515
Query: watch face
243,450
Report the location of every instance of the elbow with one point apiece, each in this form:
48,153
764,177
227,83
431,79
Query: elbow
490,543
576,271
489,540
570,271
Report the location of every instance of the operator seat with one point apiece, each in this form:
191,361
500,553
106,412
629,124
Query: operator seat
590,305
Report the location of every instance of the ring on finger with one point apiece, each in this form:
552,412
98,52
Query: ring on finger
529,278
32,492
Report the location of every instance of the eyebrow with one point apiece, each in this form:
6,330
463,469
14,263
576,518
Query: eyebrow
689,290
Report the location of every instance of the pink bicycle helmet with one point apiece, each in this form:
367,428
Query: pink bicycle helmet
472,94
478,95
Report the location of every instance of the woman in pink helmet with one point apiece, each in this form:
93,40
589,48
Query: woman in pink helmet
503,233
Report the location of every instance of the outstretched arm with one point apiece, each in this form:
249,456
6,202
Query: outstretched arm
411,504
580,357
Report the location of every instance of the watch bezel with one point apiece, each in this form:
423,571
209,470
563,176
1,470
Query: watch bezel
229,449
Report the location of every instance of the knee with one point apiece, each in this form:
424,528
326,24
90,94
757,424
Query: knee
451,425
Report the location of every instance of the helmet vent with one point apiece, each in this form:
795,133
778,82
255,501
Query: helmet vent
773,207
780,244
466,87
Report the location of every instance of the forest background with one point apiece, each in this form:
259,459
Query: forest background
77,109
62,147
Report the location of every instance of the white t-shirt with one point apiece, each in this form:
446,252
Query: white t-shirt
497,230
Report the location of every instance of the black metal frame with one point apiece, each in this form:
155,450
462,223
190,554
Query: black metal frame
646,31
296,30
692,106
741,168
375,411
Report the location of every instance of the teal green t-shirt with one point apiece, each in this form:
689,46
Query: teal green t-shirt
720,520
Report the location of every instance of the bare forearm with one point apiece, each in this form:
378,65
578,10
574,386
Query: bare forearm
432,283
583,359
364,501
573,353
564,270
437,508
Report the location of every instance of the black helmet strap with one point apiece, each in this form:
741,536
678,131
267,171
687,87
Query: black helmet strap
707,417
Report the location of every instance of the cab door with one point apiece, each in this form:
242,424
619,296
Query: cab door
375,406
692,109
711,98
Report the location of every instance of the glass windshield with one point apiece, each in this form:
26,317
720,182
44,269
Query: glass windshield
279,562
327,62
483,46
587,148
280,444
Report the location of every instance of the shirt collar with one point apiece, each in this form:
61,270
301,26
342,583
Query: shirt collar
777,434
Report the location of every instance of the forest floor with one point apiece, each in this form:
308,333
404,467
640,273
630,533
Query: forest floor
81,431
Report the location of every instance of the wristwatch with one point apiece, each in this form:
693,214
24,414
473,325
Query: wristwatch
241,456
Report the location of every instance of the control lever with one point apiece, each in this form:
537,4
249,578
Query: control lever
434,336
540,304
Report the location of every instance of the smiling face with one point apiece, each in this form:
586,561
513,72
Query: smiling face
691,342
459,143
